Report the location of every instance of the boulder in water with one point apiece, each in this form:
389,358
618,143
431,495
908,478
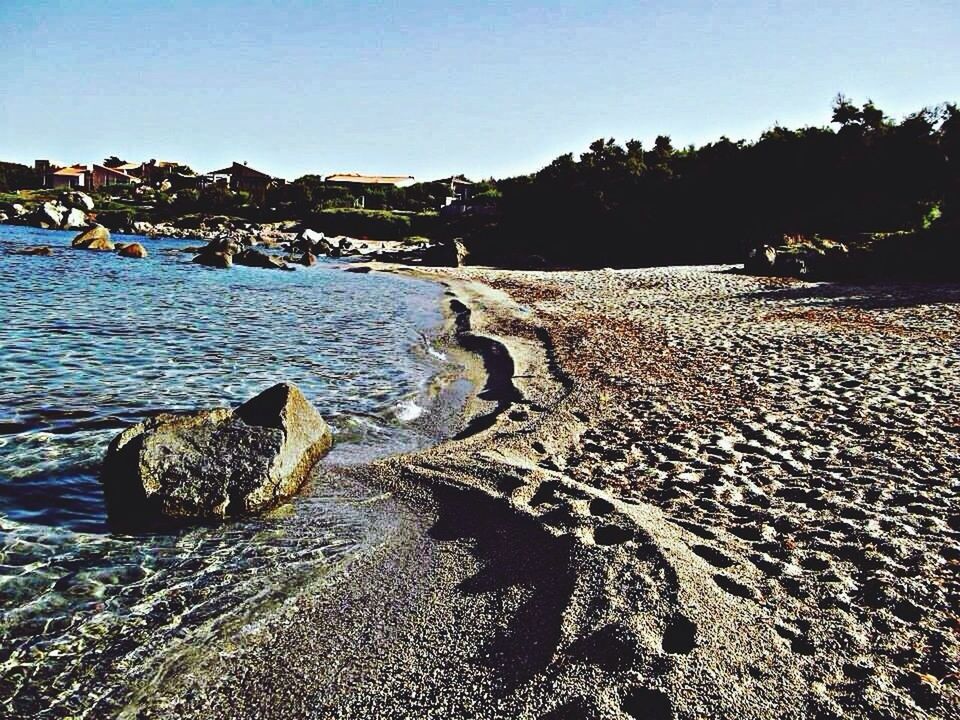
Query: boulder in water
214,464
255,258
48,215
220,260
94,238
132,250
74,219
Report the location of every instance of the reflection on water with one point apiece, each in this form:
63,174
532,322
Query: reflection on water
92,342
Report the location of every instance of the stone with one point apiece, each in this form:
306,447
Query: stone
48,215
214,259
142,228
35,250
761,260
214,464
74,219
791,266
255,258
78,200
94,238
132,250
452,253
307,259
311,241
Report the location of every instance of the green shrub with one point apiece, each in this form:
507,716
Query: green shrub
370,224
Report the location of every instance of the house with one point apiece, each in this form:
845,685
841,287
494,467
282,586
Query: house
152,172
243,178
359,181
459,189
88,177
102,176
74,176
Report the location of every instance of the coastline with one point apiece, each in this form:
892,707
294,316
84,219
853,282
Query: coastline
645,529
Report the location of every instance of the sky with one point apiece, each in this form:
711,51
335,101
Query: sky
429,88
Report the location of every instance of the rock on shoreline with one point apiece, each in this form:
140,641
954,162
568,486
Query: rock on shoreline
214,464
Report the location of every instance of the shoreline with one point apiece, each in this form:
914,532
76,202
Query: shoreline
533,582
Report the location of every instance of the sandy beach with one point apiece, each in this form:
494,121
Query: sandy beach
682,493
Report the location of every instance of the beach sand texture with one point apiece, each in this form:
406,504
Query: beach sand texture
704,495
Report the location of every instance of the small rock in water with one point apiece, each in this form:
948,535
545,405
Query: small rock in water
255,258
132,250
39,250
214,259
95,238
214,464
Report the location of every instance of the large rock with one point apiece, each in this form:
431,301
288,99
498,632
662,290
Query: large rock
761,260
48,215
78,200
74,219
95,238
452,253
254,258
220,260
214,464
13,210
132,250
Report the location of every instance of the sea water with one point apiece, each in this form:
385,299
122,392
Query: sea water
90,343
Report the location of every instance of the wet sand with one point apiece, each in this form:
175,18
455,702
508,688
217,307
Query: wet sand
684,493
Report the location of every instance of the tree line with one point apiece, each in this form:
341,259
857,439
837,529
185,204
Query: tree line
627,204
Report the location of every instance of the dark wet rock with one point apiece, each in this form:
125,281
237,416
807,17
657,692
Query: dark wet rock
255,258
451,253
94,238
132,250
214,464
760,261
48,215
38,250
791,266
220,260
308,259
74,219
362,269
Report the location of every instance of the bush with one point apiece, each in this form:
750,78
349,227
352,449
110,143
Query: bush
370,224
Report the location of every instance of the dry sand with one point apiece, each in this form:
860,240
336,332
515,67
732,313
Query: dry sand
687,494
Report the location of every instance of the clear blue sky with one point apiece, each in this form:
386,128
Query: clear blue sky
431,88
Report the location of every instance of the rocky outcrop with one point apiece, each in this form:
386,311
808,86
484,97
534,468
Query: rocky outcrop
761,260
801,257
452,253
74,219
49,215
255,258
132,250
215,259
95,238
78,200
35,250
214,464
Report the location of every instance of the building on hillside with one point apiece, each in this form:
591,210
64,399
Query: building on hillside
74,176
242,178
87,177
44,170
103,176
359,181
459,191
153,172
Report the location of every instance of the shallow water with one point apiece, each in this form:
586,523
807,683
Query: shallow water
91,342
